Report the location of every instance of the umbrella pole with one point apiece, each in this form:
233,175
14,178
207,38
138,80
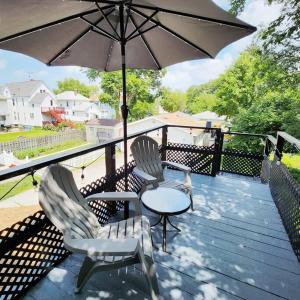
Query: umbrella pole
124,107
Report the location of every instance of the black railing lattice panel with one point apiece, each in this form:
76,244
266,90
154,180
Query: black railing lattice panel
240,162
198,158
28,250
286,194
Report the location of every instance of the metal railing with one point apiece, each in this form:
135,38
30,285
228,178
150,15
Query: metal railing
34,245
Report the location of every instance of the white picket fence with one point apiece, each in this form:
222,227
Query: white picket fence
43,141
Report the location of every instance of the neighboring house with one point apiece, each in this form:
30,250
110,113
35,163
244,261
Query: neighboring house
102,130
105,130
29,103
81,109
211,119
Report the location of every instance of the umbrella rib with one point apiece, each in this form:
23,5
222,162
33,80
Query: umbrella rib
142,32
109,52
107,20
74,41
102,31
212,20
50,24
127,16
173,33
141,25
146,44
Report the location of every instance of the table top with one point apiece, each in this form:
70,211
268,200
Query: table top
166,201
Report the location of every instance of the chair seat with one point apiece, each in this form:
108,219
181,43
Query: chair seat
136,227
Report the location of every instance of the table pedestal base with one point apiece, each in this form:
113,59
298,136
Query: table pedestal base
164,219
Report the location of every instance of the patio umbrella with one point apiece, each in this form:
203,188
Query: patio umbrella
113,35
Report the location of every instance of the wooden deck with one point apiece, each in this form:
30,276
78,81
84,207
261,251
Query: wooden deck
233,246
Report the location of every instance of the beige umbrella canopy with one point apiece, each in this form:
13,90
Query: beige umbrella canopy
113,35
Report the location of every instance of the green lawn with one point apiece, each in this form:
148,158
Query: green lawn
49,150
25,185
293,164
35,132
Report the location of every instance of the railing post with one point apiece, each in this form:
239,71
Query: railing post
216,165
110,164
164,143
279,147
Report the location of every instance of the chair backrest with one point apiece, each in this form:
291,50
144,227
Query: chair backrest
147,157
64,205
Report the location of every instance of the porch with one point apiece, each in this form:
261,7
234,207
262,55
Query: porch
235,245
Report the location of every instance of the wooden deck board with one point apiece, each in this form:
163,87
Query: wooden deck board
233,246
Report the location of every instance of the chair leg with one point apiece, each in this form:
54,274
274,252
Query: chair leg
85,273
150,273
192,202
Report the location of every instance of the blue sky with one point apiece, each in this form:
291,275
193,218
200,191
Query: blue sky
18,67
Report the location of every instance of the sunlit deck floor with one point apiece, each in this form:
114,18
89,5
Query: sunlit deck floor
233,246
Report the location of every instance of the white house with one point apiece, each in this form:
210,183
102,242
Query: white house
102,130
79,108
210,118
105,130
29,103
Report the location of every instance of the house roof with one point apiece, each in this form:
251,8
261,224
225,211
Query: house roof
104,122
25,88
178,118
38,98
208,115
71,95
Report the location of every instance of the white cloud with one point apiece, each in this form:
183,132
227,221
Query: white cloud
183,75
258,13
2,64
39,74
72,69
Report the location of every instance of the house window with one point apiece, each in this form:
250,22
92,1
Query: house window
18,117
15,115
31,115
13,100
67,103
32,105
23,101
73,113
51,102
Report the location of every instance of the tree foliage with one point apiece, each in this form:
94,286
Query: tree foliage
70,84
172,101
260,95
143,87
201,97
282,36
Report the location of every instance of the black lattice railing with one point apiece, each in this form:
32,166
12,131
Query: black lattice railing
286,194
199,159
240,162
30,248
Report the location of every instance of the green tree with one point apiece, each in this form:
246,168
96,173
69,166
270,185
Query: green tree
172,101
70,84
260,96
143,87
281,37
201,97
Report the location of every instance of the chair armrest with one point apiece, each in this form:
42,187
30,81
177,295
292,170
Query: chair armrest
177,166
144,176
118,196
98,247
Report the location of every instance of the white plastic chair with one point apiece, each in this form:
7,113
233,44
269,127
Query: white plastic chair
149,167
112,246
